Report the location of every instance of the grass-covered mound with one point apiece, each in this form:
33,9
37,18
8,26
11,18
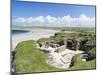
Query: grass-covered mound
59,37
82,65
79,64
93,51
30,59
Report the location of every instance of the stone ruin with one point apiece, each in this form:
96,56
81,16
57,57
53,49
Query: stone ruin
62,52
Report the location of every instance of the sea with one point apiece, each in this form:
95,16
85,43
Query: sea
17,32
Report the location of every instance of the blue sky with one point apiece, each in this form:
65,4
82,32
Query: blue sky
26,10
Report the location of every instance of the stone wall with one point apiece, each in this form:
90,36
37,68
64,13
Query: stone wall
61,48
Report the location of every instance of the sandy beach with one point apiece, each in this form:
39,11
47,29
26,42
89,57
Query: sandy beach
32,35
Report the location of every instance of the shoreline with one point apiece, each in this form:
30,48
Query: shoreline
34,34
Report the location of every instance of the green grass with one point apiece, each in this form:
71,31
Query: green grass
82,65
90,29
59,37
64,36
43,40
93,51
29,59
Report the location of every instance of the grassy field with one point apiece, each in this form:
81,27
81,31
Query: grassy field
92,29
63,36
82,65
29,59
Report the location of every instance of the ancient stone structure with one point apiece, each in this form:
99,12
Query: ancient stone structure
62,52
63,44
72,44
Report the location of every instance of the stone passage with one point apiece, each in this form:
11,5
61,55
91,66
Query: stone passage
72,44
60,60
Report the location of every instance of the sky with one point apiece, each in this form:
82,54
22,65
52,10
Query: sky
51,14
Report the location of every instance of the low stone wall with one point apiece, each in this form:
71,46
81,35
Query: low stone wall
61,48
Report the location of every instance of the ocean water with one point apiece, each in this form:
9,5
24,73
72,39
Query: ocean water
16,32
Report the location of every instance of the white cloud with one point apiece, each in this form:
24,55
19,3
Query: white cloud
82,20
39,19
29,20
20,19
51,19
